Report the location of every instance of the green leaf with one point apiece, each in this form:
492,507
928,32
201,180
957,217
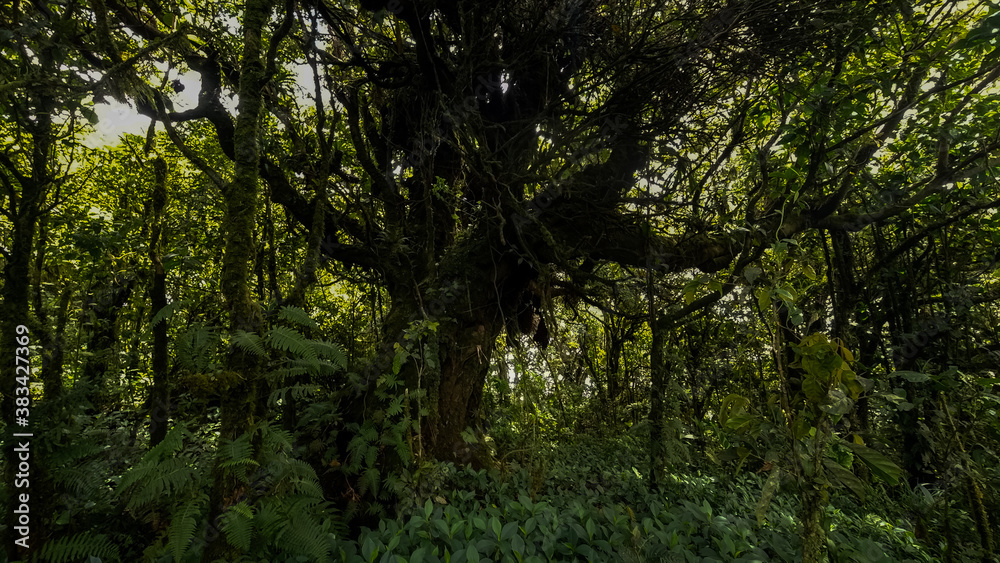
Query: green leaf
164,313
495,526
770,487
368,549
981,34
517,546
89,114
837,403
912,376
764,299
290,340
880,465
733,404
250,343
846,478
297,316
813,388
509,530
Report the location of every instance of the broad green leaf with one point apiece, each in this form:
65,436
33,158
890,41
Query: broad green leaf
880,465
912,376
848,479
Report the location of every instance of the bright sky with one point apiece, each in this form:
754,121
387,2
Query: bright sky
115,119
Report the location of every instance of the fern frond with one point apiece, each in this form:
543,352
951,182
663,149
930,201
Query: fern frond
239,468
299,393
290,340
165,312
171,477
305,536
237,455
297,316
238,525
330,351
74,451
269,519
183,524
239,448
279,375
276,439
171,444
196,349
80,547
80,479
249,343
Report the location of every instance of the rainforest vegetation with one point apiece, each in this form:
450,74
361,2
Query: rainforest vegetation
525,280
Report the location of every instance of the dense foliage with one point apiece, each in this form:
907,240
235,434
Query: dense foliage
533,280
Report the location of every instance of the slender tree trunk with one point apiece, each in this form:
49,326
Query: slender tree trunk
240,385
50,337
658,374
159,397
54,354
814,493
105,303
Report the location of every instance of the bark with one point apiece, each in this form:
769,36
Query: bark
658,372
239,387
54,352
813,532
104,305
24,210
159,396
454,361
51,338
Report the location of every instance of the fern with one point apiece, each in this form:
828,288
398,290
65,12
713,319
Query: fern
171,444
292,341
279,375
238,525
310,365
331,352
275,439
237,454
268,520
299,393
305,536
196,349
79,547
297,316
249,343
165,312
160,472
184,522
170,478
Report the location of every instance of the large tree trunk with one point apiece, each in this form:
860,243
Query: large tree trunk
473,295
14,313
25,209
